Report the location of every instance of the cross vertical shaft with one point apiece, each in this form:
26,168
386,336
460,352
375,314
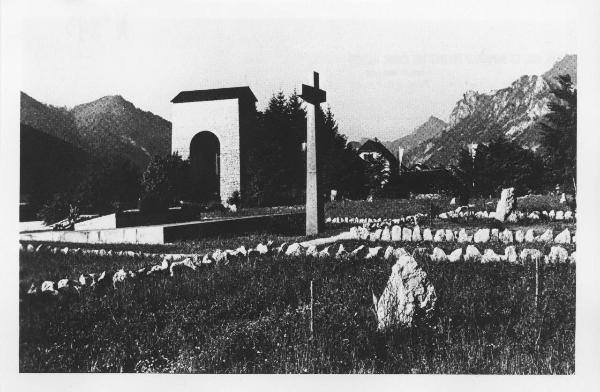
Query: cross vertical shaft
314,203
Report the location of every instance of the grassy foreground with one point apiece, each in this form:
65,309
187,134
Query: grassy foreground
253,316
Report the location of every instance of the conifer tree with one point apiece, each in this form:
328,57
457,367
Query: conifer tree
559,134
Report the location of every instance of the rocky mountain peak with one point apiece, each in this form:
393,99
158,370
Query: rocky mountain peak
110,126
565,66
512,112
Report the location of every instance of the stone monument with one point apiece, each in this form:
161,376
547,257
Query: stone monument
314,200
506,204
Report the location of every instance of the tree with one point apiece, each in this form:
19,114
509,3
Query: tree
164,183
340,166
278,163
500,164
378,173
559,134
108,185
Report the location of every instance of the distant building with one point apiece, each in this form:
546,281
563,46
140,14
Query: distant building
354,145
375,149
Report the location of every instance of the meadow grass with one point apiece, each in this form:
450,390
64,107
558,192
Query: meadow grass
252,316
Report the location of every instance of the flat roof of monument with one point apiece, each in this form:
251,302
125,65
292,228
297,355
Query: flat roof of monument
214,94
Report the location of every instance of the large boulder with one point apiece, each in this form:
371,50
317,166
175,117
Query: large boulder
482,236
373,252
449,235
489,256
472,253
546,237
341,253
396,233
530,254
416,234
427,235
510,254
375,235
311,251
438,255
506,236
506,204
359,232
400,252
558,254
407,296
49,287
324,253
455,255
359,252
406,234
495,236
530,236
564,237
389,252
294,249
462,236
519,236
386,235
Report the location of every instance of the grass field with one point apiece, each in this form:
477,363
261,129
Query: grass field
252,316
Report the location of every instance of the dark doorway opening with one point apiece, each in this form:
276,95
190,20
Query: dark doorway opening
205,166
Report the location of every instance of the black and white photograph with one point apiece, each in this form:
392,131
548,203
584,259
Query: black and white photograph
300,188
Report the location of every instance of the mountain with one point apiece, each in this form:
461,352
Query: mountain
52,120
429,129
513,112
48,164
566,65
109,128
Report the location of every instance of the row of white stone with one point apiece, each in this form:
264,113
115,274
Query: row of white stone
363,221
460,212
406,234
514,217
173,262
30,248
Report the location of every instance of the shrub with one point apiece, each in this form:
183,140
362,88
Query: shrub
234,198
163,183
61,207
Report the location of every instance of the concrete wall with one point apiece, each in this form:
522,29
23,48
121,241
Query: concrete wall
290,223
129,235
220,117
101,222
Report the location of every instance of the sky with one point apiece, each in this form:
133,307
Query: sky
386,69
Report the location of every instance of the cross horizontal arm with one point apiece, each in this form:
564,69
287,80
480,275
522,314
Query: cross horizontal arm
313,95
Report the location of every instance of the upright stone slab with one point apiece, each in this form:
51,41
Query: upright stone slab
396,233
505,205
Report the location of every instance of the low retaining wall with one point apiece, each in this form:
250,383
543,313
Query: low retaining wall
292,224
127,235
135,218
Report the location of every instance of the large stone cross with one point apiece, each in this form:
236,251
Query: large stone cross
314,201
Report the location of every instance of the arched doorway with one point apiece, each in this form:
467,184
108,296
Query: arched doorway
205,166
